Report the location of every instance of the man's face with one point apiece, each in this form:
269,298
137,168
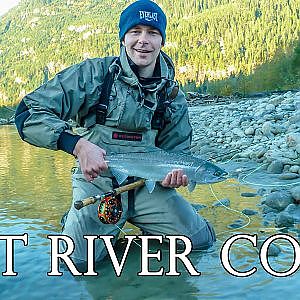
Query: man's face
143,44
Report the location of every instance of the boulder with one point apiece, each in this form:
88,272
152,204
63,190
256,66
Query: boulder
222,202
295,193
288,176
284,219
275,167
279,200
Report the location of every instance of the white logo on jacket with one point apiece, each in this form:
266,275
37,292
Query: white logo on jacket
148,16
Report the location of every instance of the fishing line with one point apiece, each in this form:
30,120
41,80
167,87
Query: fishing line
230,209
242,180
125,234
222,163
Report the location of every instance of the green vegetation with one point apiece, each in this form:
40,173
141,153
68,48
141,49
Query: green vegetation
218,46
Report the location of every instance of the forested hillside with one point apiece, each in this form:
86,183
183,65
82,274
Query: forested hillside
218,46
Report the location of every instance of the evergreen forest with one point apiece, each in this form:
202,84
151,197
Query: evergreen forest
219,47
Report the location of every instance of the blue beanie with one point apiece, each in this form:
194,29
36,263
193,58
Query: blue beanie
143,12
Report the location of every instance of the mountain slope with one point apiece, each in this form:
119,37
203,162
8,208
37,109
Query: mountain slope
209,40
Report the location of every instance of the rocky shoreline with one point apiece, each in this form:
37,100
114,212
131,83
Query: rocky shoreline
261,133
264,131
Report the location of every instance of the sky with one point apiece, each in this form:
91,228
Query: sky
5,5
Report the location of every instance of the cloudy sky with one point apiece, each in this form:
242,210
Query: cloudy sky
5,5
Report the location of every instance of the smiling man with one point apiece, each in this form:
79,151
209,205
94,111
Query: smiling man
129,103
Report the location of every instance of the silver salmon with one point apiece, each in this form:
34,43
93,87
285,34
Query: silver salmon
154,166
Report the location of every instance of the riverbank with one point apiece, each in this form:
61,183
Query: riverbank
258,142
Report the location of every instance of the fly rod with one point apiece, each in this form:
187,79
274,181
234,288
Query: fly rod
113,193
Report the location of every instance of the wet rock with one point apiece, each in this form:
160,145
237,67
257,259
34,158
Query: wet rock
275,167
284,219
295,192
261,192
270,217
279,200
222,202
294,169
265,209
288,176
234,226
249,212
239,221
273,249
248,194
293,139
294,211
198,206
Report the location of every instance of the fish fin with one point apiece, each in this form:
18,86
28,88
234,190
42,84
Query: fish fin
191,186
119,175
150,185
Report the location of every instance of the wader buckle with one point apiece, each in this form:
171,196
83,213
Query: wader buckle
101,112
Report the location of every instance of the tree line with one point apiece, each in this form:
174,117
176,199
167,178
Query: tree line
218,46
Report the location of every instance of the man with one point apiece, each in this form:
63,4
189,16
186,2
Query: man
145,111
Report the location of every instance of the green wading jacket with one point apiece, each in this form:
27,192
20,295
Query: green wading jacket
42,116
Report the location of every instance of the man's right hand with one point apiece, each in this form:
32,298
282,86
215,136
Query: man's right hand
91,158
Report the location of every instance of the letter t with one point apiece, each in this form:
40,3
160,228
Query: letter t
10,251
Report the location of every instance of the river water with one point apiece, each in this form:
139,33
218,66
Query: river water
35,191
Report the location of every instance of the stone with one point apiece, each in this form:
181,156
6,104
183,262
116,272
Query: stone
265,209
266,129
293,139
294,210
288,107
270,107
278,129
248,194
276,100
261,192
249,212
270,216
284,219
288,176
275,167
295,192
249,131
273,249
222,202
294,169
198,206
237,131
234,226
279,200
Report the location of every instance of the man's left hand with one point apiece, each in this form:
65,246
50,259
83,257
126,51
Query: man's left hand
175,179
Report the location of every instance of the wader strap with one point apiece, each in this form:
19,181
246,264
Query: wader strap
130,198
102,106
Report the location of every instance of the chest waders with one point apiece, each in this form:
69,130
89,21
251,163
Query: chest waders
165,97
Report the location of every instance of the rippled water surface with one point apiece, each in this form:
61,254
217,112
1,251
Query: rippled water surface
35,191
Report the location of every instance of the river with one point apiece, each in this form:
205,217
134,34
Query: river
35,191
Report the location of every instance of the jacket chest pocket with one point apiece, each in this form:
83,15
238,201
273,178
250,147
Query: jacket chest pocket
127,111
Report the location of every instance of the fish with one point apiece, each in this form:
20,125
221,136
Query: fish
153,166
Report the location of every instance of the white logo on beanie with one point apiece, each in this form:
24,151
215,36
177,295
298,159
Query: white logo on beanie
148,16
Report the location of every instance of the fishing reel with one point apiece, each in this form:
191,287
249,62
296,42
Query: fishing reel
110,208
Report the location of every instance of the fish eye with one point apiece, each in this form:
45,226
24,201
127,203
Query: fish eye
218,173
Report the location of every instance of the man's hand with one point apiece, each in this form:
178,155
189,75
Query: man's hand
91,158
175,179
